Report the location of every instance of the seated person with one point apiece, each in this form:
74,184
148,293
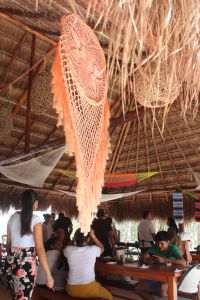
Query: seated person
184,246
173,231
81,258
59,234
65,223
161,252
59,272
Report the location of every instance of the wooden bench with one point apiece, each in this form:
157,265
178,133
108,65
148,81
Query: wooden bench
46,294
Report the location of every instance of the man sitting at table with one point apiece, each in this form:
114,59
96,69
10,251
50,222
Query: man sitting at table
162,252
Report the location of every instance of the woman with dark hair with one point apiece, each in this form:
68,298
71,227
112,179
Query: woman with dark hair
173,231
24,240
81,259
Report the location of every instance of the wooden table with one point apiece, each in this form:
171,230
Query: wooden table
195,257
157,272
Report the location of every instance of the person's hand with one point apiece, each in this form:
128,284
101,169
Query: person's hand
159,259
92,234
50,281
186,246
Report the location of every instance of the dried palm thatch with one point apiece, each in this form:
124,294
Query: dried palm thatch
6,123
145,32
133,209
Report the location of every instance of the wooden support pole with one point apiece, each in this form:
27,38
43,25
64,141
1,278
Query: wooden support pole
28,109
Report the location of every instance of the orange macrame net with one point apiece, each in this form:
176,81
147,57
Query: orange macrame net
79,87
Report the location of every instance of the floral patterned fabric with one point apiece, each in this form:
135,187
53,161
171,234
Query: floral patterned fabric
20,271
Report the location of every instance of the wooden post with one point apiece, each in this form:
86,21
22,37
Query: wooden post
28,110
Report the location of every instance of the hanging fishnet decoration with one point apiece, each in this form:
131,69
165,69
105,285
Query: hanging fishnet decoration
41,95
83,109
34,171
155,87
6,124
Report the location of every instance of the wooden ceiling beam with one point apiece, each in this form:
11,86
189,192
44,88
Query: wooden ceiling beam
128,117
16,51
27,28
28,107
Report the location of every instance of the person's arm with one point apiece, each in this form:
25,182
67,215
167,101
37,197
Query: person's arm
187,252
8,242
70,229
37,231
112,240
178,261
96,241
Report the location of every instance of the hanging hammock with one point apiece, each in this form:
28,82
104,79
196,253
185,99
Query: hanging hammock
106,197
35,170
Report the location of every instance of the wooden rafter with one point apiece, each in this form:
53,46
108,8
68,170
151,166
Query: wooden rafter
131,145
28,109
156,152
16,51
147,153
168,153
177,145
27,28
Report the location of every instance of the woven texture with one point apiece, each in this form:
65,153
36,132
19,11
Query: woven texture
178,207
41,95
6,124
154,86
34,171
79,86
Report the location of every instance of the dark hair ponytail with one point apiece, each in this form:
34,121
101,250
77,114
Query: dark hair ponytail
27,200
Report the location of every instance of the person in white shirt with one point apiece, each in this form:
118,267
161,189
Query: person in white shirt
58,272
81,259
46,228
24,240
146,231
